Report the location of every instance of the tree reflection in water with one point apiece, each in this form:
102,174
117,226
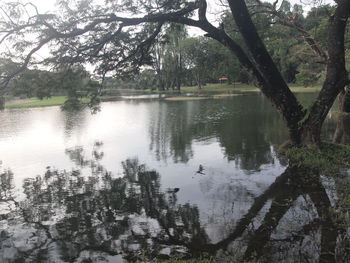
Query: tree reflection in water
245,135
73,217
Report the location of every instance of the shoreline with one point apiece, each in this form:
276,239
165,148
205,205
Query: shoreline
210,91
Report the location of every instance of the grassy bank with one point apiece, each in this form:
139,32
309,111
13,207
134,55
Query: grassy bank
210,90
238,88
221,88
207,89
328,158
35,102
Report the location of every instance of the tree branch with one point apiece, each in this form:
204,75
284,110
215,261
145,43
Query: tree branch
291,22
24,65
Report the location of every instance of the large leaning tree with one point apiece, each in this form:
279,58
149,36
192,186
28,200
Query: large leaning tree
118,35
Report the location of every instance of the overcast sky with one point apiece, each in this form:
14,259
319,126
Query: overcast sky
49,5
214,9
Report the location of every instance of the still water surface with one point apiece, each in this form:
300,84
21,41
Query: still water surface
146,179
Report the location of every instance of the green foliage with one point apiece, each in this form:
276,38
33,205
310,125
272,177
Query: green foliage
288,49
74,82
328,158
72,104
196,57
307,78
206,61
312,20
33,83
168,58
282,51
146,80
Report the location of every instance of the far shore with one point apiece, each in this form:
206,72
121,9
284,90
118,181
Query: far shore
216,91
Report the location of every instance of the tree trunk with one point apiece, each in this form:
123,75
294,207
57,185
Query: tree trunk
342,132
198,80
310,131
344,100
336,77
269,78
304,129
160,82
178,82
2,103
178,71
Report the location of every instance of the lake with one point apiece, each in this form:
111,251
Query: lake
148,179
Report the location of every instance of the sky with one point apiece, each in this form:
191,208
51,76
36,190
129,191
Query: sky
214,5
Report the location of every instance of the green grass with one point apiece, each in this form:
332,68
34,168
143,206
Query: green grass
239,87
299,89
119,92
221,88
35,102
329,158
